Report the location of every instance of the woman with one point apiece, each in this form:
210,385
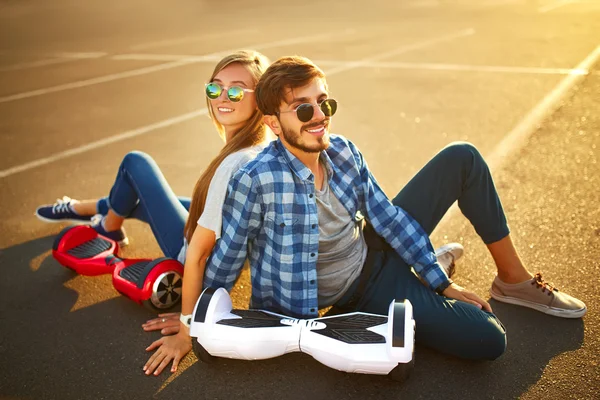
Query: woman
141,191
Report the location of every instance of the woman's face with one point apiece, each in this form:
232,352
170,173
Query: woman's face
234,115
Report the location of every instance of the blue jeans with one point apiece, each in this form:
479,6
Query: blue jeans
141,191
453,327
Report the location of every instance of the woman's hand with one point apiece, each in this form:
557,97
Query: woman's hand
168,324
459,293
173,348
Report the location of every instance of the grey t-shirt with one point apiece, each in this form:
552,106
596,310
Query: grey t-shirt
212,217
342,247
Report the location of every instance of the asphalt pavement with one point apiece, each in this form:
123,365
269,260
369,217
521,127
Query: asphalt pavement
83,83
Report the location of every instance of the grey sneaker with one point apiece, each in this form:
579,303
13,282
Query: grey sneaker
539,295
447,255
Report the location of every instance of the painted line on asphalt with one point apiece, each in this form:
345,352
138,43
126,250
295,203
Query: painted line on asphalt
462,67
33,64
94,81
400,50
58,58
388,65
163,57
80,55
516,138
191,39
556,5
162,67
142,130
103,142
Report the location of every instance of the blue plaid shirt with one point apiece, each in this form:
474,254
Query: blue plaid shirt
270,217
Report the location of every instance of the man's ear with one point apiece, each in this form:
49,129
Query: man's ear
272,122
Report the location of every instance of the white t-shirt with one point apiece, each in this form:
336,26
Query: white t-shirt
212,216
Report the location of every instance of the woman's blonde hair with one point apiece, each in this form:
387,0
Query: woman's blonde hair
252,133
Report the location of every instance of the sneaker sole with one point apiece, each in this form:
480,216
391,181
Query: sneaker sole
557,312
447,248
57,221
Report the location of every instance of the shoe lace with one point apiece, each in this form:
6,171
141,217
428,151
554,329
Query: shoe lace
97,219
539,282
62,205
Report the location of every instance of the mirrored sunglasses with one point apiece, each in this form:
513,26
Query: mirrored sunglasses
234,93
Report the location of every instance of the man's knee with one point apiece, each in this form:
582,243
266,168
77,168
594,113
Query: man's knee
493,340
461,151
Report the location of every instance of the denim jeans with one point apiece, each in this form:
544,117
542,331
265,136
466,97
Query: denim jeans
453,327
141,191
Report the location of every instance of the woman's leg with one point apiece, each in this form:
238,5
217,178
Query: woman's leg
100,206
140,186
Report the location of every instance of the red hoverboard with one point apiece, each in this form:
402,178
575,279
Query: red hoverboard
156,284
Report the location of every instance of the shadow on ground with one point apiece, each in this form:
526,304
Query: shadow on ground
49,351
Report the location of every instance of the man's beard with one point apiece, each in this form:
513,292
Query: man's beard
295,140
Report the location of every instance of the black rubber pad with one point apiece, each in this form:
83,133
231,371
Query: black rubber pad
252,319
134,272
352,328
90,248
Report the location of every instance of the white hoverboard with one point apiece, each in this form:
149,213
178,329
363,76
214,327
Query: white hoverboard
355,342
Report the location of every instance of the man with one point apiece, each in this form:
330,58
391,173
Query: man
296,212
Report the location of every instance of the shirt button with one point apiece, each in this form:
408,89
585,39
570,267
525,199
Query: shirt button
310,195
312,310
312,254
312,282
313,226
282,225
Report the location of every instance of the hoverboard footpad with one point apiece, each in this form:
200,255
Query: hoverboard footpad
90,248
137,273
252,319
352,329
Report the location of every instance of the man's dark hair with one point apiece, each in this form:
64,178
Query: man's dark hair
286,73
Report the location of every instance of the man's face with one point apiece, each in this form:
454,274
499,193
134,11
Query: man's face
311,136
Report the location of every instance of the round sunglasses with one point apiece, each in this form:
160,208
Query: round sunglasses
305,111
234,93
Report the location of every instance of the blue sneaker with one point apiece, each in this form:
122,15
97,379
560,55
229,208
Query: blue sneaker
61,211
118,236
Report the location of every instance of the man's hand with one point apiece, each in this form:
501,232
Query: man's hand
459,293
168,324
173,347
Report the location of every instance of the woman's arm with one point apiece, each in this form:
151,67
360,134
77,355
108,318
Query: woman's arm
199,249
177,346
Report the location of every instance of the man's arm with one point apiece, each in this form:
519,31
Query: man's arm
399,229
241,223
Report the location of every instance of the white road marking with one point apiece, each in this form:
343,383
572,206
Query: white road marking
461,67
33,64
165,57
531,122
191,39
102,142
58,58
400,50
556,5
148,128
80,55
161,67
94,81
391,65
